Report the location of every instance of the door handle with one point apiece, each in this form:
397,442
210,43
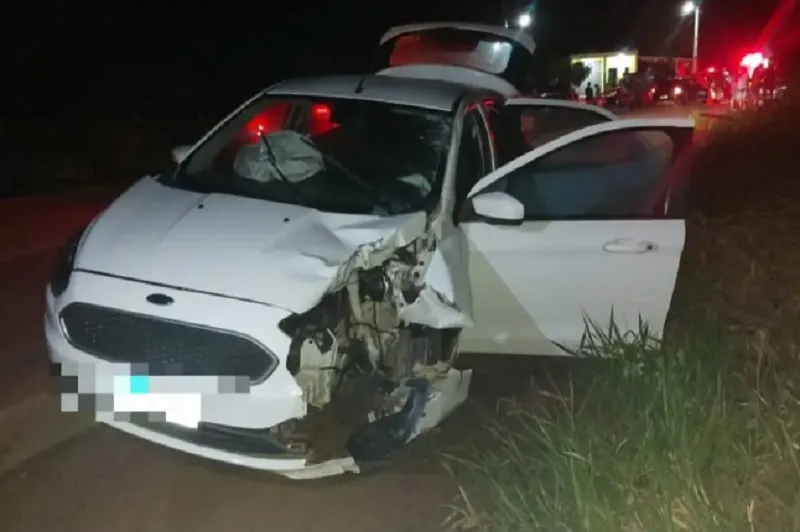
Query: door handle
629,245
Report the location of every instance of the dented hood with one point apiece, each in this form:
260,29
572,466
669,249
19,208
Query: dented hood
283,255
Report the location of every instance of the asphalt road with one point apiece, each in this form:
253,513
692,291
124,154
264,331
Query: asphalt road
64,472
671,111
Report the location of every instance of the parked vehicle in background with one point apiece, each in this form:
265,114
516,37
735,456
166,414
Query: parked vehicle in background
559,91
681,91
719,83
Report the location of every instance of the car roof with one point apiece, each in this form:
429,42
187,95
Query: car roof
428,94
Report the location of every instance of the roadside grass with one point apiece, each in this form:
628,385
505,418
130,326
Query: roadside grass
700,432
685,436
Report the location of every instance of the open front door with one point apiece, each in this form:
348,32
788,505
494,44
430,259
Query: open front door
599,234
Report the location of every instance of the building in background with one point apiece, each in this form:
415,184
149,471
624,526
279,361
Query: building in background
606,69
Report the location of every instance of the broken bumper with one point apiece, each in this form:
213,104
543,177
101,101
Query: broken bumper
218,443
231,427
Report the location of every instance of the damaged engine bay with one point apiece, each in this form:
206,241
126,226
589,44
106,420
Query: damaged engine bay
357,358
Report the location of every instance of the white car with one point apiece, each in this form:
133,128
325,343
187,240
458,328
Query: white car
335,242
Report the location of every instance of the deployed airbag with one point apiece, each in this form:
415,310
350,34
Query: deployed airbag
281,153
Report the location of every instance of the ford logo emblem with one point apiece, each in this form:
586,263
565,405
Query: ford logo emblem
161,300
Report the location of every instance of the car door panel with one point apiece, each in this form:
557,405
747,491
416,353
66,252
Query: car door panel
535,285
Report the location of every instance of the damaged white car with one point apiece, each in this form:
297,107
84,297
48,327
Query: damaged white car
327,250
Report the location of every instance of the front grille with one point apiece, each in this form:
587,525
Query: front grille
164,347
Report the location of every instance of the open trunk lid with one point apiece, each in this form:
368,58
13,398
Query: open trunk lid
480,55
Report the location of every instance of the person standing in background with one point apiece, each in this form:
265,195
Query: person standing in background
769,82
740,92
589,93
757,86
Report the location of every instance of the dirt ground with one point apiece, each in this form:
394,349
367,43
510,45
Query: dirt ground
107,481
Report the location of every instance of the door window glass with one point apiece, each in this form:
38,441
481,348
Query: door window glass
614,175
520,128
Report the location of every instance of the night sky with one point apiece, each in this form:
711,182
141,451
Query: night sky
241,46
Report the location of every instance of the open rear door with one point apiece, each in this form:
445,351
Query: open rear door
480,55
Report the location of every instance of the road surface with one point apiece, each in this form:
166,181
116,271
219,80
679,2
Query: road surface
65,473
672,111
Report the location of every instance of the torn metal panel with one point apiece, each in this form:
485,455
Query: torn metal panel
391,319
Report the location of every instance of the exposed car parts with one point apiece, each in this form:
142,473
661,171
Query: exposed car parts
354,340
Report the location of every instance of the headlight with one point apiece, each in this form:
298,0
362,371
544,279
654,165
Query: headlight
65,261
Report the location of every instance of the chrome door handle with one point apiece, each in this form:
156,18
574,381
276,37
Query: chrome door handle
629,245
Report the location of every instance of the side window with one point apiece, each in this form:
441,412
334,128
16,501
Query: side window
613,175
474,159
520,128
601,150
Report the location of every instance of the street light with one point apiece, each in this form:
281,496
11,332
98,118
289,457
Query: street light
524,20
687,9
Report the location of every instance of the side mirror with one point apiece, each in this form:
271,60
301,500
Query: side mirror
499,208
179,153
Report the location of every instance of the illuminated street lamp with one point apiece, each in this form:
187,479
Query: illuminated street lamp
687,9
524,20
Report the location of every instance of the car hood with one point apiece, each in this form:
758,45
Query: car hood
283,255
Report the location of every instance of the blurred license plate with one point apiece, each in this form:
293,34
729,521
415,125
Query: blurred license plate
133,394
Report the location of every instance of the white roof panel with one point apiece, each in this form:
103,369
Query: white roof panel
429,94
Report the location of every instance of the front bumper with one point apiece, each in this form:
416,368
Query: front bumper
253,411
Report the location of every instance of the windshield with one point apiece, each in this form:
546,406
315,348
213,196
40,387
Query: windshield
335,155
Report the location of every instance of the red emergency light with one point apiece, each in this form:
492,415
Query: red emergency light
753,60
321,111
